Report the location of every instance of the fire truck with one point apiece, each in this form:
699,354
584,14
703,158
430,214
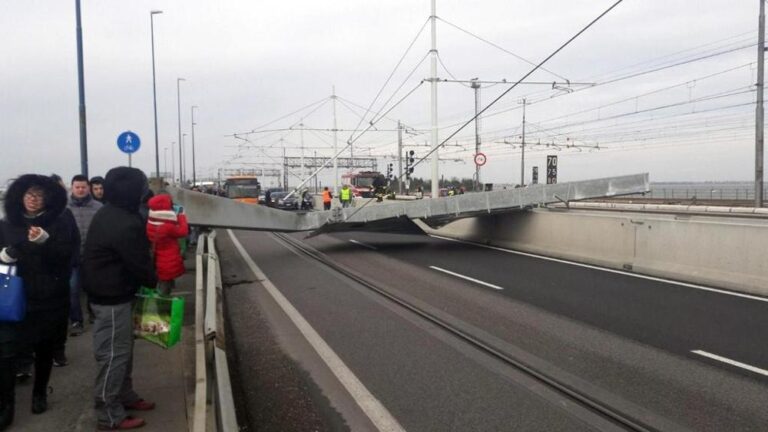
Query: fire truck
364,183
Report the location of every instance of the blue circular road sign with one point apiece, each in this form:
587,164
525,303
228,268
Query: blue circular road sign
128,142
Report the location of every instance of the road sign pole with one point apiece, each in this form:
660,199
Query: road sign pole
130,160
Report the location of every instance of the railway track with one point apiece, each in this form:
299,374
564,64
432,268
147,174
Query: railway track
573,393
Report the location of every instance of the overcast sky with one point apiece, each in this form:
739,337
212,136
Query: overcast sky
247,63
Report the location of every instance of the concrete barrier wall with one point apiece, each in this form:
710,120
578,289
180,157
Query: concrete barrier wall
726,252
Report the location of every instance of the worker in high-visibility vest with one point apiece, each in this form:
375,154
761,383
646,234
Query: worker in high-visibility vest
345,196
327,197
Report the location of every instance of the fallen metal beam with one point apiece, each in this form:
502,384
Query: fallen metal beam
213,211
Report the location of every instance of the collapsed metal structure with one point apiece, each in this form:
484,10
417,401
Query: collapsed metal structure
213,211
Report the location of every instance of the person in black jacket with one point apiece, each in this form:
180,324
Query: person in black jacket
37,236
116,262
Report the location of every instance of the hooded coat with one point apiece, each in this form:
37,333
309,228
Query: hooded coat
44,266
116,258
164,229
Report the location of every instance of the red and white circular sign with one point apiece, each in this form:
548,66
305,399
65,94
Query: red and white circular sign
480,159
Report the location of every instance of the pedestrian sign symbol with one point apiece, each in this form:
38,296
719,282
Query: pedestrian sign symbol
128,142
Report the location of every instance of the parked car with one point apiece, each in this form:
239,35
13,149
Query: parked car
272,191
283,202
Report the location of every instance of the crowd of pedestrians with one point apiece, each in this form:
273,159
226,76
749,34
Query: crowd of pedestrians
95,241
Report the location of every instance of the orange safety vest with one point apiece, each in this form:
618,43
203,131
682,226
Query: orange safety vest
326,196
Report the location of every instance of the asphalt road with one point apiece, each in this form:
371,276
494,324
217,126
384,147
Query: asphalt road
626,341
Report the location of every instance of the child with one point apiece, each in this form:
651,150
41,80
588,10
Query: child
164,229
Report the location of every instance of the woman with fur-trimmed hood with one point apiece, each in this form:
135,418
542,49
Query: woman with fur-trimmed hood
164,229
37,236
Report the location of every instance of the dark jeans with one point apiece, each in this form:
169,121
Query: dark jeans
75,310
42,332
326,206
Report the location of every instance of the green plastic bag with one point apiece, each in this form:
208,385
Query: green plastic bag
158,319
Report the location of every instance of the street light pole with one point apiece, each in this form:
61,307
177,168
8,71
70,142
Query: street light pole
165,160
81,92
194,178
183,157
154,87
173,162
181,149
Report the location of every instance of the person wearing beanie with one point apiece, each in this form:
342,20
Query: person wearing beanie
97,188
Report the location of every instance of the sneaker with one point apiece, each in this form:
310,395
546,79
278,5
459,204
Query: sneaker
127,423
24,373
60,359
76,329
140,405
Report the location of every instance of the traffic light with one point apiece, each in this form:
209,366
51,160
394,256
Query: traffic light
390,171
409,160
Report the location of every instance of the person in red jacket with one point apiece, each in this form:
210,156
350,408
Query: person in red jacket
164,229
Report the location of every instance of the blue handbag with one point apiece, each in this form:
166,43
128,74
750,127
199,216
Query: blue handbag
13,300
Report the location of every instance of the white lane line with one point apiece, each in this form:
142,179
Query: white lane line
605,269
489,285
363,244
731,362
371,406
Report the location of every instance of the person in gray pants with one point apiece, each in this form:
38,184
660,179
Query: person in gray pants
116,262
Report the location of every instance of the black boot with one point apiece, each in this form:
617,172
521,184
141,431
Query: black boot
39,403
6,415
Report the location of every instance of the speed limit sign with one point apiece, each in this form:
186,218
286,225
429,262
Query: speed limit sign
480,159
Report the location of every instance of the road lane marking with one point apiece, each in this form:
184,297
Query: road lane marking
363,244
371,406
605,269
732,362
489,285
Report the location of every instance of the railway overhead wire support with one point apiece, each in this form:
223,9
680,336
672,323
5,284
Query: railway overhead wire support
213,211
760,111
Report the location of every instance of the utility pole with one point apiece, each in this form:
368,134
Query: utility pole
285,175
476,87
760,112
301,173
81,92
522,156
335,147
194,178
399,157
173,159
181,142
433,102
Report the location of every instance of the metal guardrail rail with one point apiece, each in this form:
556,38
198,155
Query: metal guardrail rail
214,408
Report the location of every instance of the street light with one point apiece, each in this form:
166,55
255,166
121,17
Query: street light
194,178
154,87
181,152
165,161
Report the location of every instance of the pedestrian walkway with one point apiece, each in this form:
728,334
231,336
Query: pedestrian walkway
165,377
